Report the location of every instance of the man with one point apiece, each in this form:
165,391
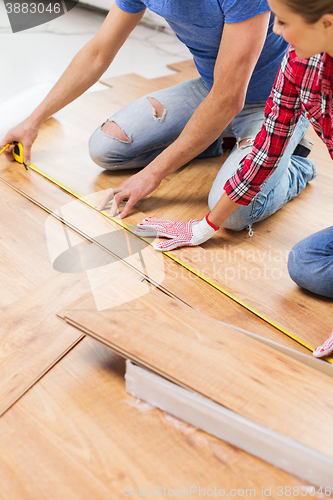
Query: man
237,56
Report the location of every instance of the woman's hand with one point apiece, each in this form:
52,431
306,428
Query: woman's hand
180,234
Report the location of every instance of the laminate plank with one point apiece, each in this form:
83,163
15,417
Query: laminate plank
32,290
32,339
78,435
185,70
218,362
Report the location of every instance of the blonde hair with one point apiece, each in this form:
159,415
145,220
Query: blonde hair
310,10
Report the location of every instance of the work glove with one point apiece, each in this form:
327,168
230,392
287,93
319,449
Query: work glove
180,234
326,349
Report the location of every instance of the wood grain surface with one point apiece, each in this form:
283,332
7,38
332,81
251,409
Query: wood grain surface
32,338
78,435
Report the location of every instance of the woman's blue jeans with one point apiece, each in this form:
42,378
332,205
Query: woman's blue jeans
149,135
310,263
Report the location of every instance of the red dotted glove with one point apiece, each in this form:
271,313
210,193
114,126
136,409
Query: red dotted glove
180,234
326,349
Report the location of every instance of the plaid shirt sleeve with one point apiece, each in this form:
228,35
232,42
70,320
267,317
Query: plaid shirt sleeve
282,111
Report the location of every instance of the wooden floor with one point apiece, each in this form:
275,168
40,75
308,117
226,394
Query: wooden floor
75,433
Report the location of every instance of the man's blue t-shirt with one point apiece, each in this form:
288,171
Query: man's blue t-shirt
199,25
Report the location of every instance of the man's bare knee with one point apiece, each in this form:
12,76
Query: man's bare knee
113,130
244,143
159,111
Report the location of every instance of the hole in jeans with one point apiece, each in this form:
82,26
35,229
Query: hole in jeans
244,143
113,130
159,111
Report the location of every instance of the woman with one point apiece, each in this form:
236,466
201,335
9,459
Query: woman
303,86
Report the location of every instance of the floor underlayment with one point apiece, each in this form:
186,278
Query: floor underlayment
75,414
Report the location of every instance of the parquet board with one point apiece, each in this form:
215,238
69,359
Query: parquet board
32,339
78,435
253,269
184,70
225,365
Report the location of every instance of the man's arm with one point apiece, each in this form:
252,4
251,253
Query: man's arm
85,70
240,48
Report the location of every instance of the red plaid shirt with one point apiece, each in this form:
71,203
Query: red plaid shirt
301,86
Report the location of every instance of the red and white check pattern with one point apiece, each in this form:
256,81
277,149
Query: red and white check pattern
301,86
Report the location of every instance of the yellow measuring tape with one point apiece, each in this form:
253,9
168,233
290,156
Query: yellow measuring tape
18,156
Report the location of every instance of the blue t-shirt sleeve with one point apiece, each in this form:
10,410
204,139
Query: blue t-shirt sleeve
236,11
131,6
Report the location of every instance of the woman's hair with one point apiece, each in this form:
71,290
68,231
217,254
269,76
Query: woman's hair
310,10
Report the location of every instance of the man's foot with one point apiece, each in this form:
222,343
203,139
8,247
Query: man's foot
304,147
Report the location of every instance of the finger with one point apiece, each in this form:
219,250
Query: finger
166,246
27,152
8,153
147,232
105,200
154,230
326,349
129,205
153,221
117,199
144,222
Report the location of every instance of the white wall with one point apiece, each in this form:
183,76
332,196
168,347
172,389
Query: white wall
149,16
102,4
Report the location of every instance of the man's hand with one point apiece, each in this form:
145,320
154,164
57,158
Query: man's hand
133,189
180,234
96,55
26,134
326,349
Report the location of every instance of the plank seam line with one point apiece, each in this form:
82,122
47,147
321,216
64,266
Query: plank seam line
92,240
45,372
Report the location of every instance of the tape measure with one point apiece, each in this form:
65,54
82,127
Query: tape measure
18,156
18,153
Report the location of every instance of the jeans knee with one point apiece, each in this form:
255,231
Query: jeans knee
104,152
295,264
298,267
237,221
212,199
